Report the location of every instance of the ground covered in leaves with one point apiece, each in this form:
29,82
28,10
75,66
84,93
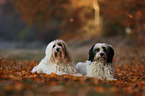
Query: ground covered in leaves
16,79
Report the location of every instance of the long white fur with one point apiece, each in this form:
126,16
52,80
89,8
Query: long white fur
81,67
48,65
100,70
97,68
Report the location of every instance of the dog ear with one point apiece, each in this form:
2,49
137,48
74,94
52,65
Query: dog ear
65,49
67,53
91,54
110,54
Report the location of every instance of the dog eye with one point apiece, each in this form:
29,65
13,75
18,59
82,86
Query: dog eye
104,49
97,50
53,46
59,44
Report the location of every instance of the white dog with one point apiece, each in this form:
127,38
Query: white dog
57,60
99,63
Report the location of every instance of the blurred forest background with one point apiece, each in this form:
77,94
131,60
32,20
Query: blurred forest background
40,21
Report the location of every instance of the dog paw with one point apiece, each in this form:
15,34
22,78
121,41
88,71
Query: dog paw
34,69
78,75
111,79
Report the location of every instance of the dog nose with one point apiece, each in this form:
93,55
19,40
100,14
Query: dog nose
101,54
57,49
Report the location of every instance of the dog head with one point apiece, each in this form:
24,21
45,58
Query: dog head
57,52
101,52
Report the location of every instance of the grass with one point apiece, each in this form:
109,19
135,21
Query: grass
22,54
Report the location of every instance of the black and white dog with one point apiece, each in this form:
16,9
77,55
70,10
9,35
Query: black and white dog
99,63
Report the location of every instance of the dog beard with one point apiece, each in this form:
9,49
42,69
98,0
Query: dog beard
101,59
59,56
